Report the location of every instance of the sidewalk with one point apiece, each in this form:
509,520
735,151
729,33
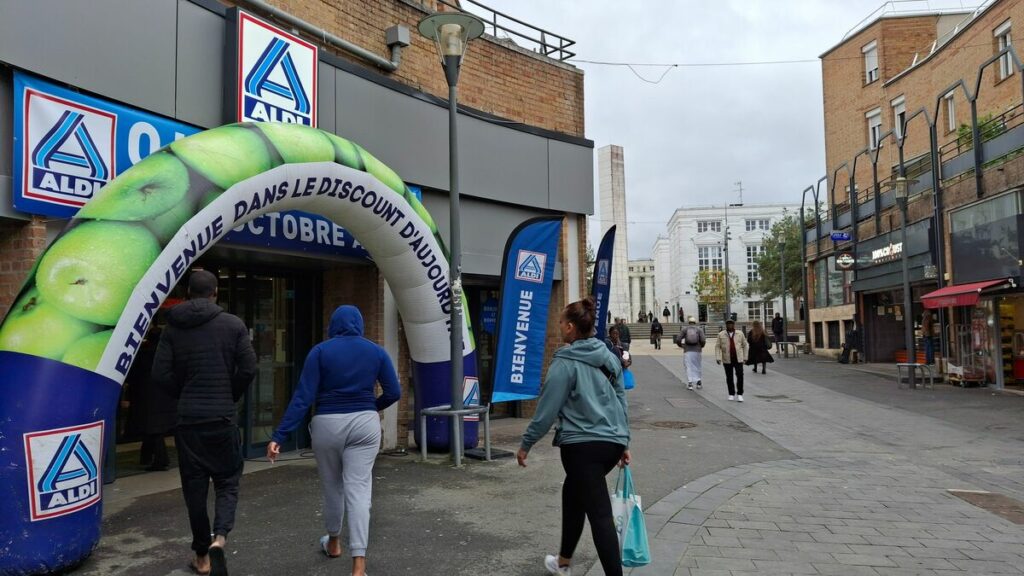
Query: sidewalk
869,495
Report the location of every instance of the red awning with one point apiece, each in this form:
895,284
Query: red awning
958,295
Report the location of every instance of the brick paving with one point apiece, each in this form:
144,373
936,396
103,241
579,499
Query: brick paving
869,493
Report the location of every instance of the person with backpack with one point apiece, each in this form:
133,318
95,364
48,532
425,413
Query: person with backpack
692,340
657,331
624,334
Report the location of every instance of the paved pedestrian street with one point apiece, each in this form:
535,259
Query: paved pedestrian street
825,469
870,494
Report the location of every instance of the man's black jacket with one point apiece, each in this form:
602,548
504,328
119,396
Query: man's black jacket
204,359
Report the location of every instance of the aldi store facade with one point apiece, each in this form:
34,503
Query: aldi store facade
88,89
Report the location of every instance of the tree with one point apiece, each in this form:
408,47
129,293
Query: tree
768,284
709,286
591,258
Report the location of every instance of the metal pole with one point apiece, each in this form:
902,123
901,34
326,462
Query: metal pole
908,317
782,275
451,66
725,235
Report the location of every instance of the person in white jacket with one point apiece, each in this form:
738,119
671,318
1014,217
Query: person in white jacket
731,351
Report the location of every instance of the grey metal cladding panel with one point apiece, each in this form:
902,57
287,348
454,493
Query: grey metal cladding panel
200,82
325,106
485,229
117,48
570,177
502,164
409,135
6,127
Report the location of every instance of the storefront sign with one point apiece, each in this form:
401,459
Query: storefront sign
274,73
845,261
489,315
68,145
887,253
840,236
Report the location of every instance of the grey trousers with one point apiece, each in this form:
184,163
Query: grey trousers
346,447
692,362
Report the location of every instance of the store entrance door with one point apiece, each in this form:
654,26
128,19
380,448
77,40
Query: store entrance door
277,309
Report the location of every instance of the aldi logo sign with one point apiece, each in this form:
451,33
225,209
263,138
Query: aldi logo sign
530,266
64,469
602,272
275,73
68,148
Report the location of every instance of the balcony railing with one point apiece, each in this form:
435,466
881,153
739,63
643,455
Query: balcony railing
505,27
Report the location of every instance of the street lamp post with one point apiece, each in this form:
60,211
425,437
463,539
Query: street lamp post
902,188
782,294
725,236
451,32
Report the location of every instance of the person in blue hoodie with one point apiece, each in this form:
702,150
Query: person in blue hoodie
584,391
341,374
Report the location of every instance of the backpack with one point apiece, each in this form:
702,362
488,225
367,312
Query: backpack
692,336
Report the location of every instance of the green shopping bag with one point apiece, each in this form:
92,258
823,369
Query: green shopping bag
629,522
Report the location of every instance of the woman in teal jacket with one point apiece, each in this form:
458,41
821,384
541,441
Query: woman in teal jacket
584,392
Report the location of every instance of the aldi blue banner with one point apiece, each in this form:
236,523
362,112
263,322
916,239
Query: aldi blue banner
527,272
602,282
68,145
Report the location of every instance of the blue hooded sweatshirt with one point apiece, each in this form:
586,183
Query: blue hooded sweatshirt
341,374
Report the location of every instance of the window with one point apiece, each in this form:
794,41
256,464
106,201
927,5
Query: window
753,253
709,226
758,224
1003,39
709,258
874,119
755,309
652,268
870,62
899,116
950,112
630,268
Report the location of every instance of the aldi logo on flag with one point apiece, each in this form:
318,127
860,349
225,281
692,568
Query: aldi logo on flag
530,266
68,149
276,73
64,469
602,272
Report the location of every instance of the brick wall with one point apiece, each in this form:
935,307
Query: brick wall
21,243
847,99
497,78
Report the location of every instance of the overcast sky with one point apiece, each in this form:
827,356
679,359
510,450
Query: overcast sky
688,139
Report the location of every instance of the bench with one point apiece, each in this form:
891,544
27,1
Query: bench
789,348
911,367
446,410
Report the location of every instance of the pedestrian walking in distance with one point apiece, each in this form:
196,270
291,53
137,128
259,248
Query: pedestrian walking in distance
624,335
692,340
340,375
584,392
614,344
656,332
731,351
206,361
759,348
777,331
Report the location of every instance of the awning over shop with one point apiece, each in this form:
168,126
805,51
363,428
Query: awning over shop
958,295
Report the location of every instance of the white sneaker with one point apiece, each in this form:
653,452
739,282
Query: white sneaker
732,397
551,563
739,398
689,386
698,385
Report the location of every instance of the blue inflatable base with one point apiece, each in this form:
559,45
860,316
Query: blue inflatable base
55,421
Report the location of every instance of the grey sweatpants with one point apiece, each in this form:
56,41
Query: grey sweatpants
692,362
346,447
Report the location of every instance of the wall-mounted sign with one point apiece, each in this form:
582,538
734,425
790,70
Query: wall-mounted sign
68,145
845,261
274,73
887,253
840,236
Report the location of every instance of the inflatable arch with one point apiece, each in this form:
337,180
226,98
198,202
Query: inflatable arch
69,339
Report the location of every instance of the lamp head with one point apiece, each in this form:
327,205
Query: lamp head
451,32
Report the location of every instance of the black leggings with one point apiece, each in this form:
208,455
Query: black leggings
585,493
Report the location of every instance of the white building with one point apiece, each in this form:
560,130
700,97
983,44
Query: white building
611,182
642,293
696,241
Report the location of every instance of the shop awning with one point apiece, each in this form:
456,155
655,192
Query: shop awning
958,295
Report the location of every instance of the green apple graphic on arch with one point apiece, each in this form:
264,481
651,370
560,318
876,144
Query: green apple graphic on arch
86,352
36,327
91,271
152,187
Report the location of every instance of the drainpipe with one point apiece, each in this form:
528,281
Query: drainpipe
396,36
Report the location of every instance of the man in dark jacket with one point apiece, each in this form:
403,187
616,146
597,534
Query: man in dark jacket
777,328
206,361
624,335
